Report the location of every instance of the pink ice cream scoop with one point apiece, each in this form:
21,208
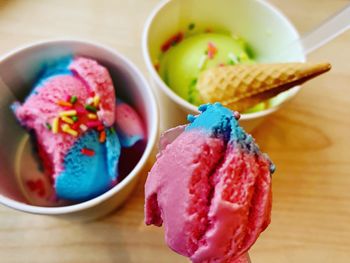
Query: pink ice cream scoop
211,188
128,124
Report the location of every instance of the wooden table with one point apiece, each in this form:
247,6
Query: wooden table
309,140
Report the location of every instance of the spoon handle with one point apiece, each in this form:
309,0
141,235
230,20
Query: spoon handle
328,30
319,36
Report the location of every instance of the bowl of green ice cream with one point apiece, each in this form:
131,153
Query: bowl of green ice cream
183,38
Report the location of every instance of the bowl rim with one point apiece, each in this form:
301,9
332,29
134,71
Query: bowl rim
184,103
151,141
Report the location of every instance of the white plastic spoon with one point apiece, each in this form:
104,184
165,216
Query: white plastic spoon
319,36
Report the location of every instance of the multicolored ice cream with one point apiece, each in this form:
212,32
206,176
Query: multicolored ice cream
79,127
211,188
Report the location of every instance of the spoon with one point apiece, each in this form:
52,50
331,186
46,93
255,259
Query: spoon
319,36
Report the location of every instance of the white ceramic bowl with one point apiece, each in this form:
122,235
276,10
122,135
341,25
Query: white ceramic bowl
17,73
262,25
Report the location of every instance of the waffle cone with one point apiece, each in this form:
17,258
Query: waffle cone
240,87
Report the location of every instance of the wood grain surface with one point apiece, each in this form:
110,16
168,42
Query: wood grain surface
309,140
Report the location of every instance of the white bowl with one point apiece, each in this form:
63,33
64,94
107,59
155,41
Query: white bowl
262,25
17,73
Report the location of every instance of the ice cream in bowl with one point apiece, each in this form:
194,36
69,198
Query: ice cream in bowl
222,51
78,123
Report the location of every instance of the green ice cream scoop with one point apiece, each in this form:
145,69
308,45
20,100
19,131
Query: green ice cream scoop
181,65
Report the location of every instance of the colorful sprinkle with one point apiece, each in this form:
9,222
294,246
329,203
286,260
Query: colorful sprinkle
88,152
102,136
67,129
73,99
191,26
67,120
72,132
90,108
193,82
55,125
177,38
212,50
97,100
68,113
64,103
92,116
112,130
83,127
78,117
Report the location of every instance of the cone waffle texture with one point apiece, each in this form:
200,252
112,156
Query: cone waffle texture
242,86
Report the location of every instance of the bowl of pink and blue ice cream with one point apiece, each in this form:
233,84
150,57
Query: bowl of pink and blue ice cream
78,125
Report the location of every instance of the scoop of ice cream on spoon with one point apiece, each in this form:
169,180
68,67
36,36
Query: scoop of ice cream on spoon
240,87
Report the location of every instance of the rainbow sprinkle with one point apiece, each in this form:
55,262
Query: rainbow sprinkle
83,127
212,50
191,26
92,116
172,41
88,152
96,100
67,120
102,137
67,129
78,118
91,108
68,113
73,99
64,103
55,125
